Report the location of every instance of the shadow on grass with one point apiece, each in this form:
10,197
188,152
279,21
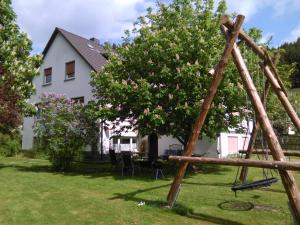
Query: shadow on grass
178,209
2,166
213,169
209,184
89,171
273,190
105,169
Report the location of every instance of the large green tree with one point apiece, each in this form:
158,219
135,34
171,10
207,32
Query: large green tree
159,76
18,69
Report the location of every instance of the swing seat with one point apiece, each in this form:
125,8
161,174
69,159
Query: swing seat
255,185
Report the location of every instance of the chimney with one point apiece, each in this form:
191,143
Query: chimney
95,40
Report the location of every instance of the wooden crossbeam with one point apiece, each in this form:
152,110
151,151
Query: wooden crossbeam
261,52
282,97
261,152
282,165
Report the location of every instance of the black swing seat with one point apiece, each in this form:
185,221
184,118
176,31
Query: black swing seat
255,185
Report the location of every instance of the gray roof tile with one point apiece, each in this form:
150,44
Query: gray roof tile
90,51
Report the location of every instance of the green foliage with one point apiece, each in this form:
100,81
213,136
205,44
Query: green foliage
19,68
280,120
90,124
59,130
291,54
9,146
159,76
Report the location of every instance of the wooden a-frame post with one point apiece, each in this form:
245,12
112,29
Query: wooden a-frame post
217,78
273,143
275,82
287,177
250,148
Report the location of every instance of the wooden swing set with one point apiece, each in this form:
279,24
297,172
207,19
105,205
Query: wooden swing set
232,32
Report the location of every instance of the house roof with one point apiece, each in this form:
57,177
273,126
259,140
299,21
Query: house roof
90,51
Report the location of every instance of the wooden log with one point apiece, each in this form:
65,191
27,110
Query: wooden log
272,65
217,78
242,35
282,165
244,170
287,177
261,152
256,127
282,97
261,52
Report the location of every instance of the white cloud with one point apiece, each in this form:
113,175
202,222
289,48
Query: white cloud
105,19
250,7
247,8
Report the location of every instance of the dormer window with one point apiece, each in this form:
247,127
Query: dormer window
48,76
70,70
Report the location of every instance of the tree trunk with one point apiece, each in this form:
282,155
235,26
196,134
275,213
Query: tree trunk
153,147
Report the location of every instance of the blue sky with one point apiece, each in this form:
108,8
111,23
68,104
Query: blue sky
107,19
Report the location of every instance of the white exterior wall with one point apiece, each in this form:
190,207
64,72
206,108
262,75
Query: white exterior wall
59,53
224,139
209,148
204,146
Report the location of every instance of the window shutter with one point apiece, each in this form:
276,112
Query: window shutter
1,69
79,99
70,68
48,71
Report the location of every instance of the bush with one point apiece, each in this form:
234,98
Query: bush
59,131
9,146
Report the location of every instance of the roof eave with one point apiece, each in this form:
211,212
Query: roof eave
49,43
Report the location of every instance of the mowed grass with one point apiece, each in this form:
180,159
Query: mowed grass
31,193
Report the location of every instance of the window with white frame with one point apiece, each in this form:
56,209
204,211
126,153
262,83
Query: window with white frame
48,75
70,70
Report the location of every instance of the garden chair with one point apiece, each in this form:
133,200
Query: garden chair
128,163
158,169
113,158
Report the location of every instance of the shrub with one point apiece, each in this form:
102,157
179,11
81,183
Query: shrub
59,130
9,145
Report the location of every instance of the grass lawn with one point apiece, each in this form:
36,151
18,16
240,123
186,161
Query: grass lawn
32,194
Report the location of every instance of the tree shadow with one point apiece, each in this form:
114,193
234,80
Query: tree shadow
2,166
212,169
178,209
105,169
88,171
273,190
208,184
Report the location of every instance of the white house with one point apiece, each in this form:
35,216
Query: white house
68,60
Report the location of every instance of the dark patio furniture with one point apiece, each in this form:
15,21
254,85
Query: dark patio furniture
113,158
158,168
128,163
